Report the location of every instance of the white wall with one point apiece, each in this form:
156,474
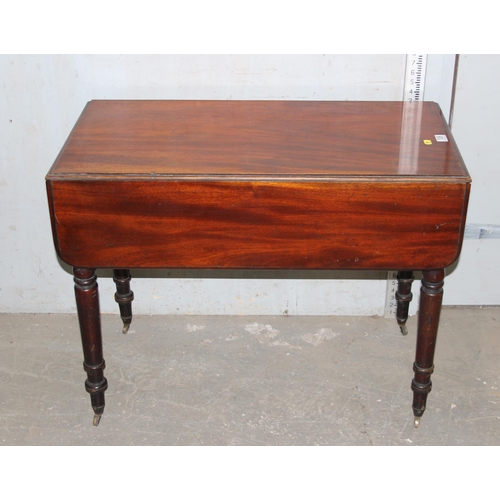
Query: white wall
476,128
42,96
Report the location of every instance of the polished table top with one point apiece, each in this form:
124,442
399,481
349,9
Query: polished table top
275,139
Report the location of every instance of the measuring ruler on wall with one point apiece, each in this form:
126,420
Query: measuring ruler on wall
416,65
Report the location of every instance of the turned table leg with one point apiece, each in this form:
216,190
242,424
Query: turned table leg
431,297
87,303
403,297
124,296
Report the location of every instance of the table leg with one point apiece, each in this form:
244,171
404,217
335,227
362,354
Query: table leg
431,297
403,297
87,303
124,296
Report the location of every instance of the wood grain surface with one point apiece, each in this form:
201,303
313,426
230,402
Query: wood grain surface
318,225
255,138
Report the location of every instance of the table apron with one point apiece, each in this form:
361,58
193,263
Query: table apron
258,224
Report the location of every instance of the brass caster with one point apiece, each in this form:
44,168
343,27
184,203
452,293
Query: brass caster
97,419
404,330
417,422
125,328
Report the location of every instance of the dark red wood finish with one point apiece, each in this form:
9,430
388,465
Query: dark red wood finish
87,303
403,298
355,224
259,185
431,297
259,138
124,296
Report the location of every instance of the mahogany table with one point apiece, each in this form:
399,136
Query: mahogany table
258,185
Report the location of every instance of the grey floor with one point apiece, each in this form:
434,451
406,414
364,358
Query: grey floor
219,380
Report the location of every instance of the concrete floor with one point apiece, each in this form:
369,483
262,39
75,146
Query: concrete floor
235,380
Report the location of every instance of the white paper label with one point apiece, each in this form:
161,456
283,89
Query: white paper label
441,138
